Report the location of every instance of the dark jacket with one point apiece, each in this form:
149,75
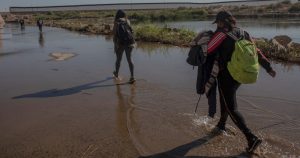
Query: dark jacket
207,61
115,37
39,23
204,72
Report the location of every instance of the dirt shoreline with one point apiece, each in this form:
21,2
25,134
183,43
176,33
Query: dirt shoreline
287,54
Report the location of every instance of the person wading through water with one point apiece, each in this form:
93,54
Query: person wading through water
224,44
123,41
40,23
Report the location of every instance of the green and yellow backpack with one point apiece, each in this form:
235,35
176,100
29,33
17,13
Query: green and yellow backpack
244,66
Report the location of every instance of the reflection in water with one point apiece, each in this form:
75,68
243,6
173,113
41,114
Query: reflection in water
41,39
152,48
108,38
121,112
124,106
288,66
22,29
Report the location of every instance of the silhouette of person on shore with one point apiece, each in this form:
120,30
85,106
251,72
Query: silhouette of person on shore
22,24
40,23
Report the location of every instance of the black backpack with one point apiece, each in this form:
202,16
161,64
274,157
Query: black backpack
198,57
124,33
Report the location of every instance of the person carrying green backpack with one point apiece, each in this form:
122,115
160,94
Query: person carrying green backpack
239,61
244,65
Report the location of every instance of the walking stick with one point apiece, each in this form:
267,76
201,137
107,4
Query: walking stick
197,104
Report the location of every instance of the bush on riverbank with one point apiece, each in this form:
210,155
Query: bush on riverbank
168,15
272,51
295,8
64,15
286,9
58,15
138,16
153,33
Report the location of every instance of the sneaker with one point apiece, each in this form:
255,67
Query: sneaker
132,80
253,143
206,119
221,126
217,131
115,74
211,116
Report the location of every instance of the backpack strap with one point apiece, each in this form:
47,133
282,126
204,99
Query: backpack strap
234,37
242,33
230,34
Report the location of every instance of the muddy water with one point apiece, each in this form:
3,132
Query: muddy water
73,108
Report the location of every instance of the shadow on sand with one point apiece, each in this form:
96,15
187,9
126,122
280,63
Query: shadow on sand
181,151
68,91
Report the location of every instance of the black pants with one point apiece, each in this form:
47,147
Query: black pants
41,28
227,89
212,100
119,50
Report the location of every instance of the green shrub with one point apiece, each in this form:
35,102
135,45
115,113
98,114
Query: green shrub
154,33
270,7
286,2
295,8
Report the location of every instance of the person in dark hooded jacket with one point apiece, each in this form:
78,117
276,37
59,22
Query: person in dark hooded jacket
120,47
40,23
224,45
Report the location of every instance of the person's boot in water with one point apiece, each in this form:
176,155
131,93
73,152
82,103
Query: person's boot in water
253,143
132,80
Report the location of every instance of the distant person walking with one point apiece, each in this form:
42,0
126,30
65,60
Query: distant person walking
22,23
40,23
223,42
123,41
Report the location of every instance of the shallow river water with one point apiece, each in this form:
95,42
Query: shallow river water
266,28
74,108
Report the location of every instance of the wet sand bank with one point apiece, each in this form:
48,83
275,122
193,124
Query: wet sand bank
73,108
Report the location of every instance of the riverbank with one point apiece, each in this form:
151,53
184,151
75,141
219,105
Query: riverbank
101,22
284,9
283,49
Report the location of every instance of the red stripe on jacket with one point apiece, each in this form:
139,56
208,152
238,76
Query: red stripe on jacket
262,55
215,41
